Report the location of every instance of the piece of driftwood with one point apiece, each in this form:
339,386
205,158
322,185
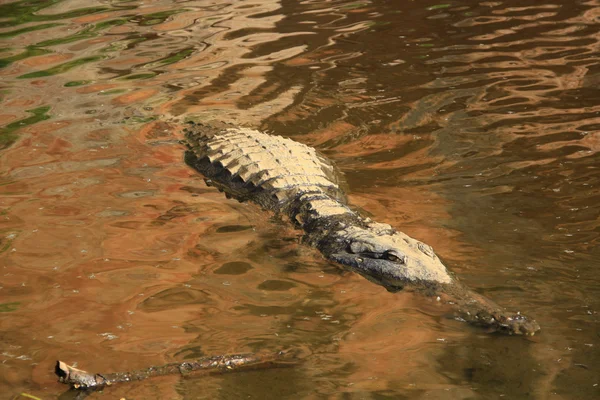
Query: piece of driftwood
80,379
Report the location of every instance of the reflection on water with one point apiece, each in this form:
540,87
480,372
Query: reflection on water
473,126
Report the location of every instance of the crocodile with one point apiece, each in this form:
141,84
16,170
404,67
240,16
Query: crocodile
294,180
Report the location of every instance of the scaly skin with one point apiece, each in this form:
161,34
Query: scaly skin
293,179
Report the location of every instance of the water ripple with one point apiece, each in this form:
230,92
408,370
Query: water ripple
473,126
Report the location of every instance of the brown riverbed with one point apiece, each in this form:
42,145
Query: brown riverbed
472,126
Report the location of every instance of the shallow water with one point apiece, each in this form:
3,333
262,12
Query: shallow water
472,126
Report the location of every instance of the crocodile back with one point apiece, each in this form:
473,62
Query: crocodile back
249,165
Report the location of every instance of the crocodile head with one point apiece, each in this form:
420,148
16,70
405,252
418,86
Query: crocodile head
391,258
396,260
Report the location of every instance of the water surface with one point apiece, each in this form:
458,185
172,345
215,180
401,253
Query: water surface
472,126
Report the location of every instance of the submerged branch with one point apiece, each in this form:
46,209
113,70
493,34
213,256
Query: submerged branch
80,379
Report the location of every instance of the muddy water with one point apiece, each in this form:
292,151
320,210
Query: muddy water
473,126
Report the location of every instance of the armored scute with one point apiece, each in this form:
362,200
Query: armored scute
293,179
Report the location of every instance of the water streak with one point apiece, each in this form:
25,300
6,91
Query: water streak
473,126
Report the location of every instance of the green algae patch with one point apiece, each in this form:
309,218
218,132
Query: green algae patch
113,91
18,32
173,58
86,33
76,83
21,12
155,18
153,22
121,45
30,51
139,76
8,135
9,307
176,57
59,69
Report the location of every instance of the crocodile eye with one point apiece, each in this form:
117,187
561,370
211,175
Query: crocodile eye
393,257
